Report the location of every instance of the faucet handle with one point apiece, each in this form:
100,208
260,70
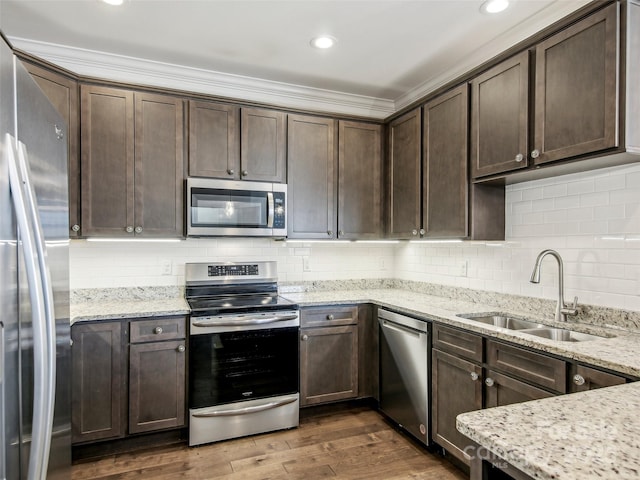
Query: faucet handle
571,310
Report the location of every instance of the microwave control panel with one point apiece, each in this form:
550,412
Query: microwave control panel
279,210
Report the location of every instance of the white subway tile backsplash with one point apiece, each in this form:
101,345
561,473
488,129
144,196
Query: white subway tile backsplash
591,218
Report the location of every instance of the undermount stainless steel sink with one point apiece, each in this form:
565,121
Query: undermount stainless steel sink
521,325
501,320
562,335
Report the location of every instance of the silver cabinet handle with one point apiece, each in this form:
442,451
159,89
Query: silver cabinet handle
59,132
519,158
181,348
76,228
157,330
579,380
414,232
330,232
422,232
244,173
305,338
129,229
330,316
341,233
230,171
474,376
489,382
535,153
138,229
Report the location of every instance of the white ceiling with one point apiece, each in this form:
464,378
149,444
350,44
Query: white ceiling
391,50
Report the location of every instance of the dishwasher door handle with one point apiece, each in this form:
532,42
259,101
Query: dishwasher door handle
401,328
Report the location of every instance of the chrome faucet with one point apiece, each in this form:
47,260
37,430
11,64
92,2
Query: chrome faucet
562,310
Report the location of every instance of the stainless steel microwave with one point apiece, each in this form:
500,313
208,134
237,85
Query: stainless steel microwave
236,208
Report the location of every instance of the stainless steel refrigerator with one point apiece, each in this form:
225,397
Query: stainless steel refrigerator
35,433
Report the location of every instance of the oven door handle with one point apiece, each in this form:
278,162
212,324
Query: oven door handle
245,410
240,321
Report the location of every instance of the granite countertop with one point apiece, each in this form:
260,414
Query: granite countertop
618,353
571,437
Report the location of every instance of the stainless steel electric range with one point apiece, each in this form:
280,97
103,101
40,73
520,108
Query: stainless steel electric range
243,351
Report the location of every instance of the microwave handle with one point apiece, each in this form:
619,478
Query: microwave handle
270,209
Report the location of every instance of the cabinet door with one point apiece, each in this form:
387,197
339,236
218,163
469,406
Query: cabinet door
62,92
404,175
328,364
159,166
446,184
214,146
263,145
503,390
157,379
457,388
98,382
500,117
359,180
107,160
312,156
586,378
577,89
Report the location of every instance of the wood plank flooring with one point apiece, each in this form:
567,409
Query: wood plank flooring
352,442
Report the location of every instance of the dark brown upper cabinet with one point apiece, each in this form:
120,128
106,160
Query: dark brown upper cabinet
576,89
500,117
263,145
132,163
312,171
445,207
214,140
62,92
583,97
359,180
405,176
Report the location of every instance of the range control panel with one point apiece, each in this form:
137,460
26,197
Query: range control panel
237,270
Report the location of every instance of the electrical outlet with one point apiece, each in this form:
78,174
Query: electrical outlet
382,264
166,267
305,264
463,268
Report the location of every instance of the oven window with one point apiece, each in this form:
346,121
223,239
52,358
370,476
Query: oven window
212,208
228,367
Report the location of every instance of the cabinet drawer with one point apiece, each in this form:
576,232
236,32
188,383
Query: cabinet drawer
457,342
328,316
532,367
158,329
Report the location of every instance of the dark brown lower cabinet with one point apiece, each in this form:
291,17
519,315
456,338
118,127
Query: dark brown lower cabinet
98,381
157,383
457,388
328,364
504,390
150,380
585,378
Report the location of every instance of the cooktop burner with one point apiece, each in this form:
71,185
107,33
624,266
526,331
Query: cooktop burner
216,288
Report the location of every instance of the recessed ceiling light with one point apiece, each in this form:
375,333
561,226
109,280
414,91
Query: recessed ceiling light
323,41
114,2
494,6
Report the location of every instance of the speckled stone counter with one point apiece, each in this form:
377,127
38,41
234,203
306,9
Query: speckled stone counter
114,303
618,353
571,437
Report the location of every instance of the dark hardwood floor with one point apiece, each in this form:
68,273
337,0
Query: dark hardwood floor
351,442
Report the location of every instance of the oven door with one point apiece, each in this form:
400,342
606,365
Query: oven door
242,364
234,208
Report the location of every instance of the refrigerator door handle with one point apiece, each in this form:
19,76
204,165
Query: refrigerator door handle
34,257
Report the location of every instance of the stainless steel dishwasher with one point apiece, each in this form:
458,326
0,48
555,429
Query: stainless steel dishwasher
404,372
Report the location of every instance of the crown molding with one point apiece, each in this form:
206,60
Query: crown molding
486,52
127,69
